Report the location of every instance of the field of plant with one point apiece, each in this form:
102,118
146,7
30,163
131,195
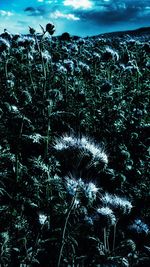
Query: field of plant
74,150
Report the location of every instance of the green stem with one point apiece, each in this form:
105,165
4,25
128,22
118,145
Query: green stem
114,238
64,231
105,242
43,65
17,166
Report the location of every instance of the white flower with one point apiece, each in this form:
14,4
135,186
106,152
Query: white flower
92,188
106,215
84,145
117,203
65,142
91,191
84,67
113,53
14,109
69,64
4,44
96,151
42,218
46,56
36,138
74,48
96,56
71,185
139,227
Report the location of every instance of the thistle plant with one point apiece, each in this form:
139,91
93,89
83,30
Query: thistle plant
86,153
105,219
50,28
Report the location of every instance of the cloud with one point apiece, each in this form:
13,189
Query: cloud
22,22
84,4
43,10
29,9
46,1
114,11
36,11
4,13
90,16
57,14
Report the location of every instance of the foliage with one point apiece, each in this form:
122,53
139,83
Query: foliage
74,185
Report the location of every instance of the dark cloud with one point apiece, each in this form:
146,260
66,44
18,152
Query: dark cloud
37,11
115,12
42,10
29,9
105,12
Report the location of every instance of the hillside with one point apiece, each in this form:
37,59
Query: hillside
141,33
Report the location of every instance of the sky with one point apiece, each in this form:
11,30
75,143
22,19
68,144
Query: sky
78,17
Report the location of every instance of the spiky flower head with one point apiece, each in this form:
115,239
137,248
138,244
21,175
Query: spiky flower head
46,56
105,216
118,204
139,227
83,191
71,185
113,54
36,138
66,142
85,146
97,151
91,191
4,45
42,218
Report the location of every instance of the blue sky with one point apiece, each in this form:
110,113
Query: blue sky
78,17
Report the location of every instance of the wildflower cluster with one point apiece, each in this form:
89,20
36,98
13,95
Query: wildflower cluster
60,189
83,191
118,204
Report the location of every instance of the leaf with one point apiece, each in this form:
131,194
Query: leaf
147,250
35,261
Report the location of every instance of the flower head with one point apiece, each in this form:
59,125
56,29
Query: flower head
46,56
36,138
85,148
97,152
42,218
50,28
4,45
84,191
139,227
65,142
69,65
105,216
117,203
71,185
90,191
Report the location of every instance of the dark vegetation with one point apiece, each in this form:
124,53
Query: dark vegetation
74,150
